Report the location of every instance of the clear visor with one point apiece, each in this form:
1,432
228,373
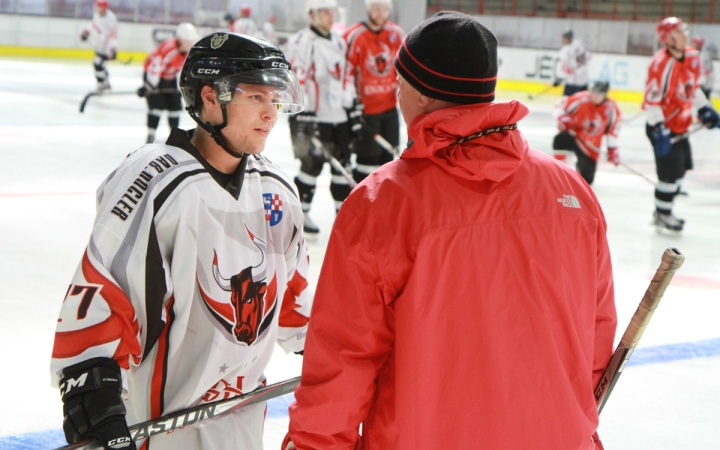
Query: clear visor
278,87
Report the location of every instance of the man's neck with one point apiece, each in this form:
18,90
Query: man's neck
213,153
374,26
677,53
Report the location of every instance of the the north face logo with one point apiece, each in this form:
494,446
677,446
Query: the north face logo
569,201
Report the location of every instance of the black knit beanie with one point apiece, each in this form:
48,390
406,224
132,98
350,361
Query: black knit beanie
450,57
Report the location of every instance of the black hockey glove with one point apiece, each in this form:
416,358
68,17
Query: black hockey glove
356,120
84,35
557,82
303,126
112,55
709,117
660,138
92,406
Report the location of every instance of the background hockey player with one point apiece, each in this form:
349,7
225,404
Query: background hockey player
268,29
244,24
160,78
318,56
584,119
466,296
672,92
707,73
229,20
102,35
574,65
372,45
195,268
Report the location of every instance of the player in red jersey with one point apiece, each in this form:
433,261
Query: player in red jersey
672,93
371,48
584,118
160,78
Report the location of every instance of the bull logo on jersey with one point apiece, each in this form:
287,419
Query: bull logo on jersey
378,64
592,126
252,300
686,90
336,71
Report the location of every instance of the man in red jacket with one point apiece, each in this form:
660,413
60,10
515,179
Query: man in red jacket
466,296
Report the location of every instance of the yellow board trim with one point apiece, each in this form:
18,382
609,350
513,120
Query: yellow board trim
65,53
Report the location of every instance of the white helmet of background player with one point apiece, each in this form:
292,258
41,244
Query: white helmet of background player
314,5
187,32
369,3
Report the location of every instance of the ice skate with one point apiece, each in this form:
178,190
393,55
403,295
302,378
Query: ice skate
309,228
667,222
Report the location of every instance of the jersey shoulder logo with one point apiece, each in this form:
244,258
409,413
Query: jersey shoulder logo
273,208
218,40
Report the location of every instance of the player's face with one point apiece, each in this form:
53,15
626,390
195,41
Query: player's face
378,13
251,116
101,10
597,97
678,38
324,19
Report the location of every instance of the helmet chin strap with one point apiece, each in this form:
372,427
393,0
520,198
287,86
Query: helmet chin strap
214,131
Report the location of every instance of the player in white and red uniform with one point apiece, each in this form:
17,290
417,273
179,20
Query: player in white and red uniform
102,33
244,24
584,119
195,268
160,78
372,45
672,92
707,73
317,54
574,65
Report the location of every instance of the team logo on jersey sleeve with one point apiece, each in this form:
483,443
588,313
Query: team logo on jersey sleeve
273,208
252,302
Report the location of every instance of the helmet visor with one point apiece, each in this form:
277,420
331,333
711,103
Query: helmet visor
278,87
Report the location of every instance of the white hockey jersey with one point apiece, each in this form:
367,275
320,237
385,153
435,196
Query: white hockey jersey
574,63
186,284
103,33
707,73
245,25
321,68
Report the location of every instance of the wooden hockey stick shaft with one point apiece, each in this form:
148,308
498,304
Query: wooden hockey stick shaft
334,162
544,91
194,414
382,142
672,259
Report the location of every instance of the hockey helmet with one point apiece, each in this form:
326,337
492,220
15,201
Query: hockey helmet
568,34
245,11
667,25
601,86
102,3
187,32
314,5
698,42
228,17
369,3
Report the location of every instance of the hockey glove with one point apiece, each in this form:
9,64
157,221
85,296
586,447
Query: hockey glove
565,123
709,117
84,35
356,120
557,82
112,54
660,138
613,156
303,126
92,406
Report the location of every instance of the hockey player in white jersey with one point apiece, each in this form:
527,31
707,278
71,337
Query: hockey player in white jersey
102,35
244,24
318,57
195,268
707,74
574,65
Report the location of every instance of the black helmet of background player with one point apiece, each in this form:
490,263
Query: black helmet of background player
599,91
227,61
567,36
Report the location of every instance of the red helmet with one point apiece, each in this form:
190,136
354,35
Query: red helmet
667,25
698,42
102,3
245,10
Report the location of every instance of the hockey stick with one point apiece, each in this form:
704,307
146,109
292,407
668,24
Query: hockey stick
634,116
685,135
108,92
189,416
334,162
672,259
543,92
386,145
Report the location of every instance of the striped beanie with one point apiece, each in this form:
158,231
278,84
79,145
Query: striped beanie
450,57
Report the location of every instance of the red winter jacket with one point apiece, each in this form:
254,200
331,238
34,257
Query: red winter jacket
465,300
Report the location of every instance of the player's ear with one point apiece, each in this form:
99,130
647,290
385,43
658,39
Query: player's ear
209,98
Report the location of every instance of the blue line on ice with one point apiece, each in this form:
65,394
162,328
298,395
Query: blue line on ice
277,408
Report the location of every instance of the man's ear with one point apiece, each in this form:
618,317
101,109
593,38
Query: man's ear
424,101
209,97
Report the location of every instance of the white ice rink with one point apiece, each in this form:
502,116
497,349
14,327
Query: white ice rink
52,158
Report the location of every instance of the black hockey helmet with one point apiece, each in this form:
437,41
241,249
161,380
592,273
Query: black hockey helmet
568,34
601,86
228,60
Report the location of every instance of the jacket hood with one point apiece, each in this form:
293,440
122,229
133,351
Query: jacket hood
492,157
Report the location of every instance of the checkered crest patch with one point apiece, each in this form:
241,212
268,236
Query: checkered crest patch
273,208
